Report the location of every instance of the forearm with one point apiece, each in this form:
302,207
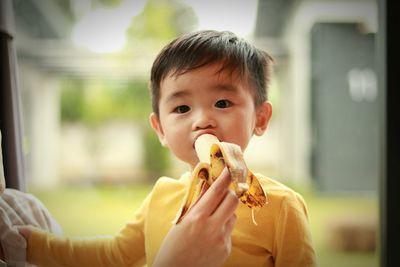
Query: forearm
48,250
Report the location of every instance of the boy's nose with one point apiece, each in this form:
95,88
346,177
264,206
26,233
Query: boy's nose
204,120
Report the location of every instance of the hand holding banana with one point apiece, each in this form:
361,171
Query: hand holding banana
214,156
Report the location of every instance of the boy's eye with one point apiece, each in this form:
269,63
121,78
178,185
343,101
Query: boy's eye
182,109
223,103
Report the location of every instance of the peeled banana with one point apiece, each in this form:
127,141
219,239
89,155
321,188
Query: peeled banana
214,156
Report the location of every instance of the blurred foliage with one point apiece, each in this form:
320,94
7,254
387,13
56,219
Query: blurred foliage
97,101
162,20
65,6
72,100
110,3
156,157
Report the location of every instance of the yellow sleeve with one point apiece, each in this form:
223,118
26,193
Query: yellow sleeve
125,249
293,243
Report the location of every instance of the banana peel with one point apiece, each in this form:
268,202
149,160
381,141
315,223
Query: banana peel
214,156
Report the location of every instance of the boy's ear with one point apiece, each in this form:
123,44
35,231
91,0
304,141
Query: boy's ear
263,113
156,125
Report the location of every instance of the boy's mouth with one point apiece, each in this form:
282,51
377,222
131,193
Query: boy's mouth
204,133
200,133
203,145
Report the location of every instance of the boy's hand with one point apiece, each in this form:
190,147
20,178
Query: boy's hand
203,237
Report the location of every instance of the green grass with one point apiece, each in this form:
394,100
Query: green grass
87,211
326,212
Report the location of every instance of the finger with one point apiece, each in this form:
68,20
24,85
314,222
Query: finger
214,195
226,208
230,224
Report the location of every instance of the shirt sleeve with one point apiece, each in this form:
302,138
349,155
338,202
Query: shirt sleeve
125,249
293,242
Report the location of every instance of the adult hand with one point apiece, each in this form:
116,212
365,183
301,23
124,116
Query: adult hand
25,231
203,237
13,250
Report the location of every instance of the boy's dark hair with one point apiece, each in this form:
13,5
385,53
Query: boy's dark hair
201,48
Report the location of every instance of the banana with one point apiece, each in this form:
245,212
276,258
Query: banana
214,156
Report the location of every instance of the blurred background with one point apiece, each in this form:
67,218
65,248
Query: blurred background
91,156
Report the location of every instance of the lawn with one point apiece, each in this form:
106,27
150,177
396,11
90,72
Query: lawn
89,210
102,210
328,214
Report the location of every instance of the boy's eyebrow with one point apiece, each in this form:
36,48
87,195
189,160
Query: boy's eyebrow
175,95
226,87
183,93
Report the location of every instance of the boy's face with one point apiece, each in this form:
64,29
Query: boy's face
206,101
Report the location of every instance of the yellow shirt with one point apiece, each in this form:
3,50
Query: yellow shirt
281,237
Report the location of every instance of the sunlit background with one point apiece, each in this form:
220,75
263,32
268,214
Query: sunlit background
91,156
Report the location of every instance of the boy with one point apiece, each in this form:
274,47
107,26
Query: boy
205,82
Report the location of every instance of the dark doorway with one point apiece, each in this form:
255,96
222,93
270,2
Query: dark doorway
345,108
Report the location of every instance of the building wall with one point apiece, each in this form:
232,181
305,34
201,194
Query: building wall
297,39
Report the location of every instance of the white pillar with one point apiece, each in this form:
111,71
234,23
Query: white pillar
42,124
